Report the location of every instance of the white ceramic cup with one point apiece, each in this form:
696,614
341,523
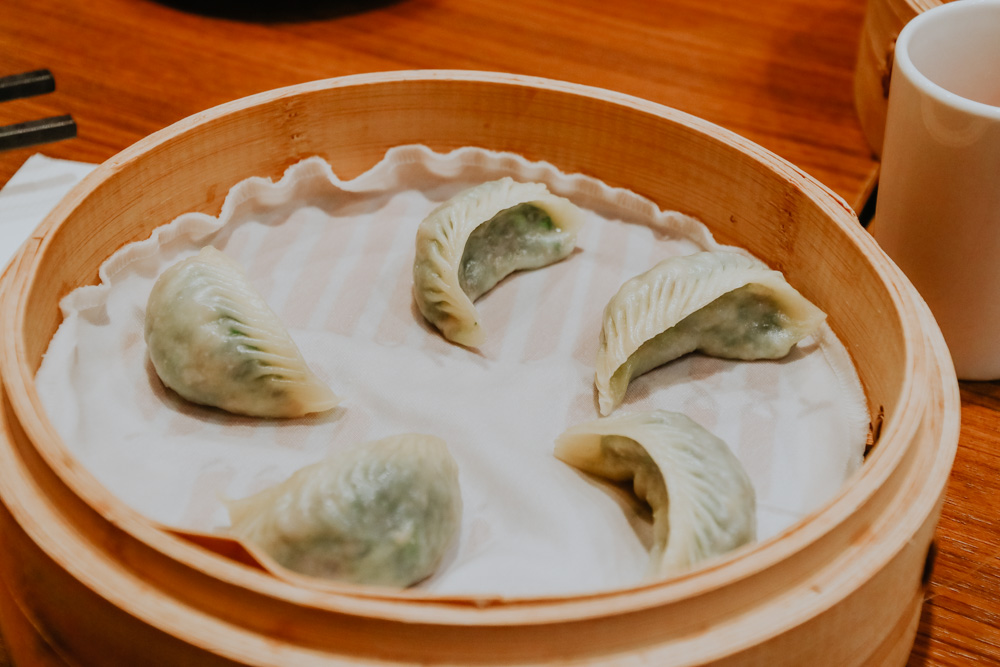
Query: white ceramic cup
938,206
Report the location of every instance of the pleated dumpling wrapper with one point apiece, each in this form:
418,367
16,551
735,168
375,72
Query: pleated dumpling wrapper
720,303
474,240
213,339
702,501
381,513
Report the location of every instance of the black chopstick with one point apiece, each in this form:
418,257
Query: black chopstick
27,84
35,132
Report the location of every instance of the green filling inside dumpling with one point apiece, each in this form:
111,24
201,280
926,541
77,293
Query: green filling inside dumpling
382,513
623,458
746,323
213,340
702,501
520,237
390,532
205,362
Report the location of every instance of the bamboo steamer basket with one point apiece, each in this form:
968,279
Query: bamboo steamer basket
884,19
88,581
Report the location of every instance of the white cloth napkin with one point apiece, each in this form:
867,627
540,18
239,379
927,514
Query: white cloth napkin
30,194
334,260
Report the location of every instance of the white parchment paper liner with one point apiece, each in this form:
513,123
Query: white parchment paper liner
334,259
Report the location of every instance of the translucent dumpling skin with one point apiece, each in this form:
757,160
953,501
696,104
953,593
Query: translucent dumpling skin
213,340
702,501
474,240
720,303
381,513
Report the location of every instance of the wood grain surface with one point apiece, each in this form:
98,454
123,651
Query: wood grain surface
779,73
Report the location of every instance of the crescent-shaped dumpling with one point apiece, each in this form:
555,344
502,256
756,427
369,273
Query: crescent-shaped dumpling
720,303
472,241
380,513
214,341
702,501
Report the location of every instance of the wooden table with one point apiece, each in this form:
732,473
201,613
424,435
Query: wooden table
777,72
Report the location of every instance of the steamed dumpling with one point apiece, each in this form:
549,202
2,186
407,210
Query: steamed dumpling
475,239
720,303
702,501
214,341
380,513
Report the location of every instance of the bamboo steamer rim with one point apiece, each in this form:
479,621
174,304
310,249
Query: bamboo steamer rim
421,607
